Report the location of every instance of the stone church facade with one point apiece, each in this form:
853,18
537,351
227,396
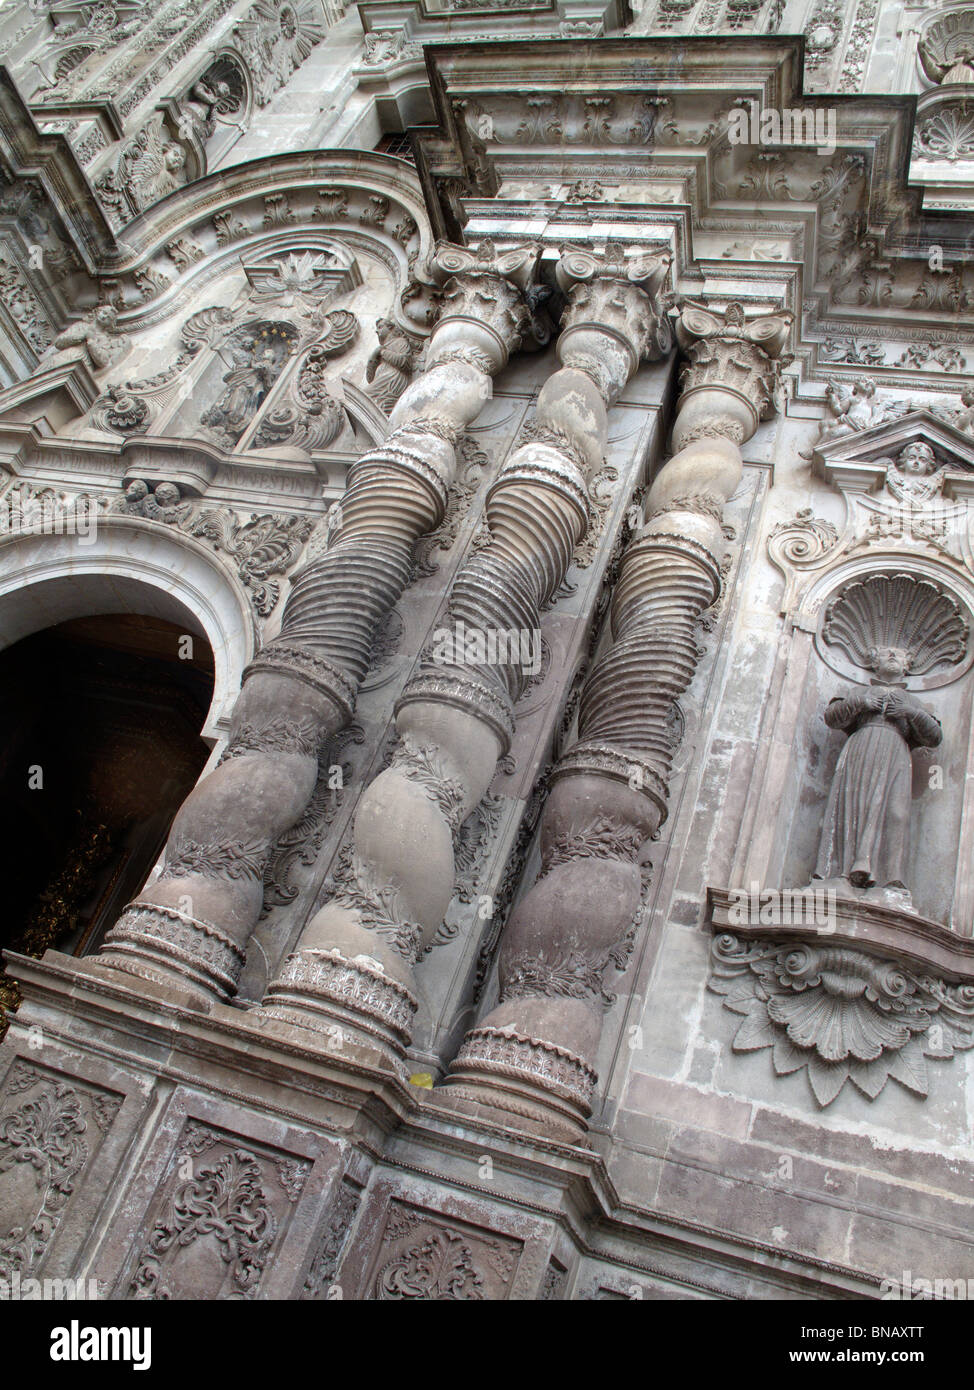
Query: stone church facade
487,646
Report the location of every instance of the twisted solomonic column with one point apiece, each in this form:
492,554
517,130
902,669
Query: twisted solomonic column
191,925
531,1061
355,961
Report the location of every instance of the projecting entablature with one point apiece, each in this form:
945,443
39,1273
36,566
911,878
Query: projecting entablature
763,192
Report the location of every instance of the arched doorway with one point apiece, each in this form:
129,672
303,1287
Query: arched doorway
102,717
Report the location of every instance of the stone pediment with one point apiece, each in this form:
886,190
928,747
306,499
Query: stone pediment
857,462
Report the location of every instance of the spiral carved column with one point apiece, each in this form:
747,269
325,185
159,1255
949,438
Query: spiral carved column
532,1060
355,961
192,925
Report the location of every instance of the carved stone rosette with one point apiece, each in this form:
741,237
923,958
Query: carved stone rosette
456,717
610,789
397,492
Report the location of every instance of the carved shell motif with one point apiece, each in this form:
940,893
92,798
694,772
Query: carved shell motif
897,610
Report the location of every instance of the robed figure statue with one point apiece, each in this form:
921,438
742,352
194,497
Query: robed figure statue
865,837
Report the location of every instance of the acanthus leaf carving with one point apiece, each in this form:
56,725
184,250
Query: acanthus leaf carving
840,1013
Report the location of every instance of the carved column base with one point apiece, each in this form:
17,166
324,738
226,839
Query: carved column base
343,1001
172,948
502,1074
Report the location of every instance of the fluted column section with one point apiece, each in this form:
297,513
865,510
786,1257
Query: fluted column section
354,966
532,1061
191,926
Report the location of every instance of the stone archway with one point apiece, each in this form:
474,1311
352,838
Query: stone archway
120,659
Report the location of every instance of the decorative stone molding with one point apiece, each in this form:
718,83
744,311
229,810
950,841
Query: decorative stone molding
840,1013
339,600
156,943
319,989
496,1056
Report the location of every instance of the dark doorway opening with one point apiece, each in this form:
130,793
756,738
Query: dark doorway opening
101,720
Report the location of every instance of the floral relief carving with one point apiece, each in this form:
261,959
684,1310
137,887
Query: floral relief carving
45,1145
215,1230
421,1258
840,1014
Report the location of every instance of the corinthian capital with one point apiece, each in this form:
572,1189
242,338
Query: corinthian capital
731,378
614,317
490,292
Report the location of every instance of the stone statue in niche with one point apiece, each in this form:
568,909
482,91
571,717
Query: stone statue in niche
391,365
865,837
894,625
257,356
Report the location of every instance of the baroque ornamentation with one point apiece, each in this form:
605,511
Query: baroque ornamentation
259,549
391,364
337,602
45,1144
839,1013
96,334
309,417
946,48
582,913
913,615
327,1258
275,37
225,1205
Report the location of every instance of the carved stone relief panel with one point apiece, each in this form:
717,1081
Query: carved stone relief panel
51,1129
219,1217
422,1255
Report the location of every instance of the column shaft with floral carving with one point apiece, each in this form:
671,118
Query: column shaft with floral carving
456,718
534,1055
191,925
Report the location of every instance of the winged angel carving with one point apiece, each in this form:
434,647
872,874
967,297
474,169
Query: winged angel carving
855,408
150,166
